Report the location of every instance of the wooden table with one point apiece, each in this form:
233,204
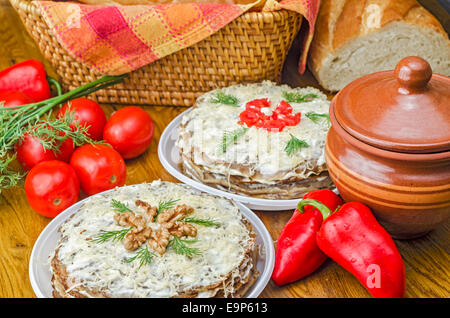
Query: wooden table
426,259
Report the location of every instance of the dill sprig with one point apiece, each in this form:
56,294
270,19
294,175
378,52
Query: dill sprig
10,131
165,205
204,222
315,117
230,137
294,145
52,133
222,98
179,246
9,178
117,235
144,255
295,97
15,121
119,206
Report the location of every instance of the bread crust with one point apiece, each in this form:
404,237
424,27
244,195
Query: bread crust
341,21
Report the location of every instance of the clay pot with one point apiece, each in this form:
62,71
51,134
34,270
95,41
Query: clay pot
389,146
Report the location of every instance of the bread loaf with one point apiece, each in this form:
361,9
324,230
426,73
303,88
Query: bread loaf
358,37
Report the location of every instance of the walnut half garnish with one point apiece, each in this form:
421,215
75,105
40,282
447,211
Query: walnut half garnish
159,239
175,214
130,219
181,229
156,239
150,211
135,238
172,221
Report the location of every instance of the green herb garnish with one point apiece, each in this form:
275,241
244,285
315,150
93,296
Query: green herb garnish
118,235
179,246
294,145
9,178
292,97
144,255
52,133
230,137
119,206
315,117
165,205
222,98
16,121
204,222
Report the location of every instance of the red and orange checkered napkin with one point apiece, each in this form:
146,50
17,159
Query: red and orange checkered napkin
118,39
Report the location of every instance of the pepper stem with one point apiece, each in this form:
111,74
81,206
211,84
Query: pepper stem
55,83
326,212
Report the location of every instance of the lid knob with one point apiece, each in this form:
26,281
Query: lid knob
413,72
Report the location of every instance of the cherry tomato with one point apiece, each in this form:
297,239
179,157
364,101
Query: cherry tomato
51,187
130,131
88,113
14,99
65,150
30,152
99,168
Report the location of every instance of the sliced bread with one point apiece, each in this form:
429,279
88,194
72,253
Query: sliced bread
355,37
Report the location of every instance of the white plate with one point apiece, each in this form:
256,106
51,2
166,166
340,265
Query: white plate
169,155
39,267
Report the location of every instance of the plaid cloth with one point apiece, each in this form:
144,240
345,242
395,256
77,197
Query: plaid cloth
118,39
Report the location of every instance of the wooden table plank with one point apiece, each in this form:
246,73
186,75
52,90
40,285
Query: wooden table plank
426,259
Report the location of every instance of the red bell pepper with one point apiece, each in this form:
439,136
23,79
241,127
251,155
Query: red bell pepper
297,254
8,99
353,238
28,77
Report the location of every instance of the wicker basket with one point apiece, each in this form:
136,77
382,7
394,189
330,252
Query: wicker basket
250,49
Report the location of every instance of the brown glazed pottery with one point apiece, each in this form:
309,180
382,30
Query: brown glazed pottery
389,146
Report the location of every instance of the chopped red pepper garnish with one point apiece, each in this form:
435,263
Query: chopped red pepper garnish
281,117
284,108
262,102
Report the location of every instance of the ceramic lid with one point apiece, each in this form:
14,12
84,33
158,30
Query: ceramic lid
405,110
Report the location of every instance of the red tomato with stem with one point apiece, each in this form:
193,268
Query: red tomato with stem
130,131
10,99
51,187
30,152
88,113
99,168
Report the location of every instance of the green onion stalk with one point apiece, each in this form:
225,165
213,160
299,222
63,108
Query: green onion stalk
15,121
